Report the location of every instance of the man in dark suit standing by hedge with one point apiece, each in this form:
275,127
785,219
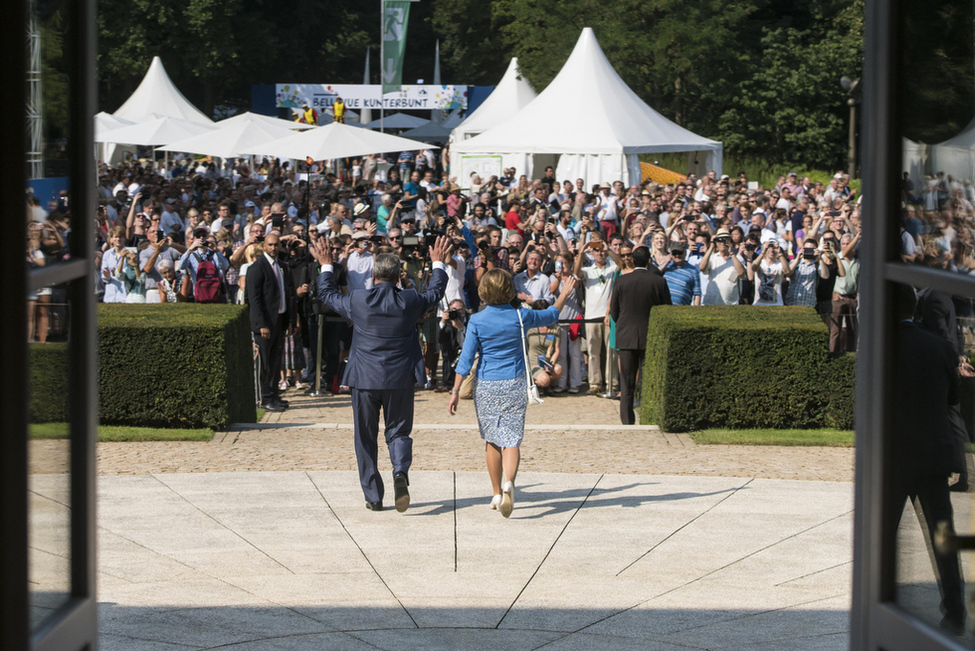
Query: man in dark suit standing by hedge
923,446
633,296
383,361
272,312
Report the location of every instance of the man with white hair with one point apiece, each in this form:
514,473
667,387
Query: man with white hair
385,353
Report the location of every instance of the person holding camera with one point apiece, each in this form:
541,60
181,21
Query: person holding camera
723,270
202,250
805,273
453,327
769,270
160,248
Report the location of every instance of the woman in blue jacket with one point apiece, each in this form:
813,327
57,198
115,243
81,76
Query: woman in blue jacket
500,389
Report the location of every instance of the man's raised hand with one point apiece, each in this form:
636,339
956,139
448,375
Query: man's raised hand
441,249
322,251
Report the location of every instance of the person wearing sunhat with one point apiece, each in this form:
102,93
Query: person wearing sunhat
608,209
723,270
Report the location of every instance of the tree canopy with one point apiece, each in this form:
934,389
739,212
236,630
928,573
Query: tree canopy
760,75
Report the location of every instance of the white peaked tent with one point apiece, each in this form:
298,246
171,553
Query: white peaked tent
157,96
595,136
955,156
512,94
232,137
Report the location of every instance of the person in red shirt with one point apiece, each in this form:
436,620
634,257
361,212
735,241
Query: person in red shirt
515,217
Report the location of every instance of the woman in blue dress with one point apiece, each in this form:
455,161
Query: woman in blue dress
495,335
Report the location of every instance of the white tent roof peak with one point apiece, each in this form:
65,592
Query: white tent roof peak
612,119
158,96
511,95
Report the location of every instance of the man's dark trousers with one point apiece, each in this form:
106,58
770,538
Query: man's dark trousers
271,351
397,406
630,363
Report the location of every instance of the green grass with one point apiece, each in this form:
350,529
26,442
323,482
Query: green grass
840,438
120,433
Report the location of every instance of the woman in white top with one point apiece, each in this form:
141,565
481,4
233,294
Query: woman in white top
252,253
658,248
769,270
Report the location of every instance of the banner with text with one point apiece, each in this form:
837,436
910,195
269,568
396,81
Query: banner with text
396,13
363,96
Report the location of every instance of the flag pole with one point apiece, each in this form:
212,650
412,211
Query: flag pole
382,65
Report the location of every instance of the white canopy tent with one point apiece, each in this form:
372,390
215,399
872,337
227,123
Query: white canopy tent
512,94
335,141
955,156
914,156
597,140
234,136
397,121
265,120
105,122
157,96
159,130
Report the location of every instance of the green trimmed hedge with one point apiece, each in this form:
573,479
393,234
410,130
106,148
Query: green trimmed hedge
183,366
48,383
743,367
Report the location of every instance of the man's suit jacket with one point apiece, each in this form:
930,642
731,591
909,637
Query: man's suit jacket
925,383
385,346
936,314
263,295
633,296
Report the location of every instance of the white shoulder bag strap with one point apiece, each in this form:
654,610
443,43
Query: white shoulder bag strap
533,397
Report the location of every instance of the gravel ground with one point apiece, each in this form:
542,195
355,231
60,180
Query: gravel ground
569,434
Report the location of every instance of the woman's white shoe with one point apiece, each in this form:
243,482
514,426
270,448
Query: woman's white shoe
507,499
496,502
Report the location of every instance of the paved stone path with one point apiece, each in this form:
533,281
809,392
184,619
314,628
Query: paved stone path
623,538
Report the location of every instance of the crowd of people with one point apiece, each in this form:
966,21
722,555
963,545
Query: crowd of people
190,232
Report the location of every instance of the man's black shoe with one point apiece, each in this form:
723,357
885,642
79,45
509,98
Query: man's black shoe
272,406
374,506
400,484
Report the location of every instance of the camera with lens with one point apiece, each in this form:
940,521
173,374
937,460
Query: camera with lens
454,314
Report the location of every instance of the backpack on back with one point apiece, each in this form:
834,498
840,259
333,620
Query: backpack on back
207,288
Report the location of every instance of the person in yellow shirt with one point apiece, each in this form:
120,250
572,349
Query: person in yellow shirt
309,115
338,110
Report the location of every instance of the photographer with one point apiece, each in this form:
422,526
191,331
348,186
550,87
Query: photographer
453,327
202,249
159,249
360,259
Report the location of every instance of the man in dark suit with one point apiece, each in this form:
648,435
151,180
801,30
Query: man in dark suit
922,446
381,370
629,305
272,312
936,314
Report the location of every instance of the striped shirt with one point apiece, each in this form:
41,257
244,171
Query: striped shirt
684,282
